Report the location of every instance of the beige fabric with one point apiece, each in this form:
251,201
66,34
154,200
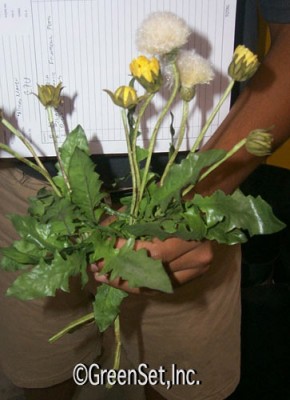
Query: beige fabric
196,328
26,356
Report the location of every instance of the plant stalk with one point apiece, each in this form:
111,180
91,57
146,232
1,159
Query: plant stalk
42,171
212,116
179,141
229,154
134,140
55,143
87,318
157,127
117,355
23,139
132,167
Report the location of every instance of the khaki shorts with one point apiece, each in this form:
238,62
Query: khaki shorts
26,356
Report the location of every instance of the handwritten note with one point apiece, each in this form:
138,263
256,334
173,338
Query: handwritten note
88,45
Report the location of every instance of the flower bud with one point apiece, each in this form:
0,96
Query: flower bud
124,96
147,72
259,142
187,93
49,95
244,64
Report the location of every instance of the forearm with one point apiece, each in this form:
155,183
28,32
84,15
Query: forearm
265,102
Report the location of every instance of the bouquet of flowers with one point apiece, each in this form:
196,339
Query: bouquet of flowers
63,231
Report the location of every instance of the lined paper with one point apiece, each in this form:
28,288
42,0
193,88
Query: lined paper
88,45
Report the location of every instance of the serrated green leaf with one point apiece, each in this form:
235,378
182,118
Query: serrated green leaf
44,279
214,207
194,223
61,184
32,231
81,260
8,264
138,269
85,183
106,305
61,215
141,153
257,214
221,235
187,227
237,211
148,230
169,226
39,204
75,139
184,174
103,249
187,233
23,252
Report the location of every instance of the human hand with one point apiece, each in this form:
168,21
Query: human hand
184,261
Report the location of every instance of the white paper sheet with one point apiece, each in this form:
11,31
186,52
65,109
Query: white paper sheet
88,45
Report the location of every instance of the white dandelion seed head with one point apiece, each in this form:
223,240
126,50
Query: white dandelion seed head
162,32
193,69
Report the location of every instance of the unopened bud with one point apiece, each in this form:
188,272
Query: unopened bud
124,96
49,95
187,93
244,64
259,142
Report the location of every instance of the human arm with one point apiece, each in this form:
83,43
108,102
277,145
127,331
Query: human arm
265,102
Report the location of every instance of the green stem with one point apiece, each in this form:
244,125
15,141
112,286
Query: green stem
117,355
24,140
229,154
40,170
132,166
134,141
179,141
54,138
157,127
87,318
115,213
212,116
